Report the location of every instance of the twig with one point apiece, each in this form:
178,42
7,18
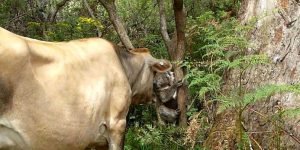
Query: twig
17,18
59,6
255,142
259,132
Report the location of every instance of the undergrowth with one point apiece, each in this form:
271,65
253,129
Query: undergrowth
216,45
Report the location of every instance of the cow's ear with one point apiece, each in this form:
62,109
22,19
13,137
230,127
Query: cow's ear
161,66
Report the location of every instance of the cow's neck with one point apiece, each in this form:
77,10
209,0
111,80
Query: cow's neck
133,68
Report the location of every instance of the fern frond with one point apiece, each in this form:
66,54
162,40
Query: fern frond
261,93
267,91
227,102
291,113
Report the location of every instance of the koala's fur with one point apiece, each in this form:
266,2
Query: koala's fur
165,89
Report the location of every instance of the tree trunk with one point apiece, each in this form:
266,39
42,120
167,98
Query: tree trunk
276,34
169,43
178,55
164,28
110,7
176,51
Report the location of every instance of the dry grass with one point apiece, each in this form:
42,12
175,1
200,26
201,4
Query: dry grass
192,131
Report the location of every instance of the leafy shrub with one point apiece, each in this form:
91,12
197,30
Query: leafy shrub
149,137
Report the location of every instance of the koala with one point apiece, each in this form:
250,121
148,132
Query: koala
163,80
168,114
165,86
165,89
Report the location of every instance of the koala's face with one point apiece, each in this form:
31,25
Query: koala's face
164,80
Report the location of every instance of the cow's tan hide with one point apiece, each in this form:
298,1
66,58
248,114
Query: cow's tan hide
60,95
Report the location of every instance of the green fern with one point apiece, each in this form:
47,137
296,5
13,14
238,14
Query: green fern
243,62
261,93
291,113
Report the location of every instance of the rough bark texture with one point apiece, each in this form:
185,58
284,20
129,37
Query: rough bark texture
277,34
116,21
178,55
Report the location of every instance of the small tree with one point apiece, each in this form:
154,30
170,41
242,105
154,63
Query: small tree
176,50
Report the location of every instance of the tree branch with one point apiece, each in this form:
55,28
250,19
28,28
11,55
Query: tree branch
91,13
59,6
180,26
163,26
110,7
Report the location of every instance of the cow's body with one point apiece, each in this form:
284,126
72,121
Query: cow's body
68,95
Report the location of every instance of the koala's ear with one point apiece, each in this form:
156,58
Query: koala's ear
161,65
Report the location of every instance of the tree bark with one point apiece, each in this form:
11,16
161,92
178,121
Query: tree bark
163,26
110,7
169,43
178,55
276,34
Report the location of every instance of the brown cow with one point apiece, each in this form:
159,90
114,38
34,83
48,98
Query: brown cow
69,95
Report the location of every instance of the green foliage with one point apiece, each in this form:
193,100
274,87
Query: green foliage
234,100
74,28
241,63
155,43
245,142
4,11
291,113
212,38
215,45
205,82
149,137
141,115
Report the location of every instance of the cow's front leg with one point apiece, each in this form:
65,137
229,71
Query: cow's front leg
116,116
116,134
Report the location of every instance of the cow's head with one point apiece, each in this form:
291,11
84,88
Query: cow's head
140,71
